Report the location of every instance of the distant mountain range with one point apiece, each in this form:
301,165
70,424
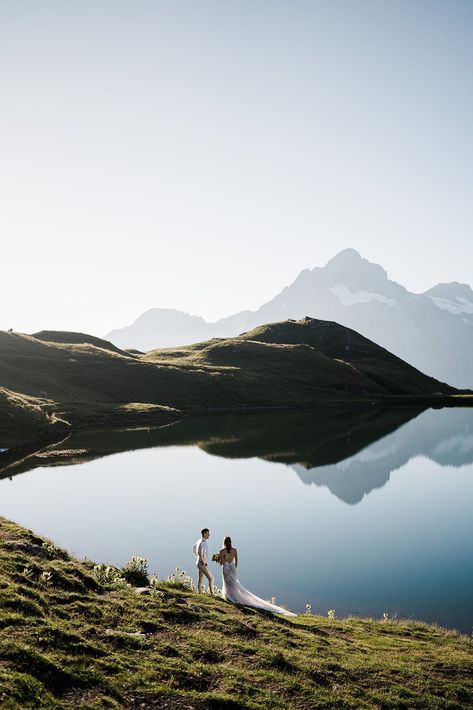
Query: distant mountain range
432,331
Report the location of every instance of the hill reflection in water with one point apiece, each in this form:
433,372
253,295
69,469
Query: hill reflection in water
351,452
443,436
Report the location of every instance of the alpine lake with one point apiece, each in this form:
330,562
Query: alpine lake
364,513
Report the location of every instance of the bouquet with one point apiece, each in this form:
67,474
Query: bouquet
216,557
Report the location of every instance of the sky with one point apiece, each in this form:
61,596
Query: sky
199,155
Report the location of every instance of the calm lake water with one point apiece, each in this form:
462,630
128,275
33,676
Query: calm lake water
361,514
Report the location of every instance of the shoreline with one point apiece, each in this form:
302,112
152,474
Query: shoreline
68,640
39,539
146,415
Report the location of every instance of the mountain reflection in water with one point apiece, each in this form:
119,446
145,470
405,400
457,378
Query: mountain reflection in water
351,452
443,436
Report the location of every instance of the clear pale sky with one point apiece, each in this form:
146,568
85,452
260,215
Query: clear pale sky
198,155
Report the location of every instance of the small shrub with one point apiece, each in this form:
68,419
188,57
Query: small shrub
155,591
29,573
108,577
54,552
46,578
154,582
180,578
135,572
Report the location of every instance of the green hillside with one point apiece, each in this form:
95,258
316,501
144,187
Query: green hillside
71,639
64,336
310,359
343,344
20,413
86,382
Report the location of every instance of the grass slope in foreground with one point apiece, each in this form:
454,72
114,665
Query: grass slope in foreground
67,642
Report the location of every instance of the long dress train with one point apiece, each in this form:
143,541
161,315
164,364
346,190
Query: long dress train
234,592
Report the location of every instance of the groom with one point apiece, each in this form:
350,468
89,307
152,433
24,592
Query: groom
201,552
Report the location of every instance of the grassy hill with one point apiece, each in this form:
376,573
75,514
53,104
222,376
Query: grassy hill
86,382
70,639
20,413
72,338
342,344
312,358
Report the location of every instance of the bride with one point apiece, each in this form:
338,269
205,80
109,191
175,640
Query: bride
233,591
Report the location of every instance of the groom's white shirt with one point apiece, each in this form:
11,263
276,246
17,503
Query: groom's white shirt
201,550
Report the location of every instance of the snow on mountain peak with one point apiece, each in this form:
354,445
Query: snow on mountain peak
349,298
460,305
452,297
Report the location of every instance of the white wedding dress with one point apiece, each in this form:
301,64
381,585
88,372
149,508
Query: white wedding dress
233,591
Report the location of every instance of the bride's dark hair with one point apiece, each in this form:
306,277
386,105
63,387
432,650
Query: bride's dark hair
228,543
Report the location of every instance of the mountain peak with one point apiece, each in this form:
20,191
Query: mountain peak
346,257
453,289
349,267
350,290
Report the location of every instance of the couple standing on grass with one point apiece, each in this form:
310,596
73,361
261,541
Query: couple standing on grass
232,590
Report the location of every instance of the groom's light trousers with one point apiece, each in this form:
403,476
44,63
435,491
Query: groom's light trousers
205,572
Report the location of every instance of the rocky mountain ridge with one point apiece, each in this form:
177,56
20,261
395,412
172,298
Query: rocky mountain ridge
433,331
